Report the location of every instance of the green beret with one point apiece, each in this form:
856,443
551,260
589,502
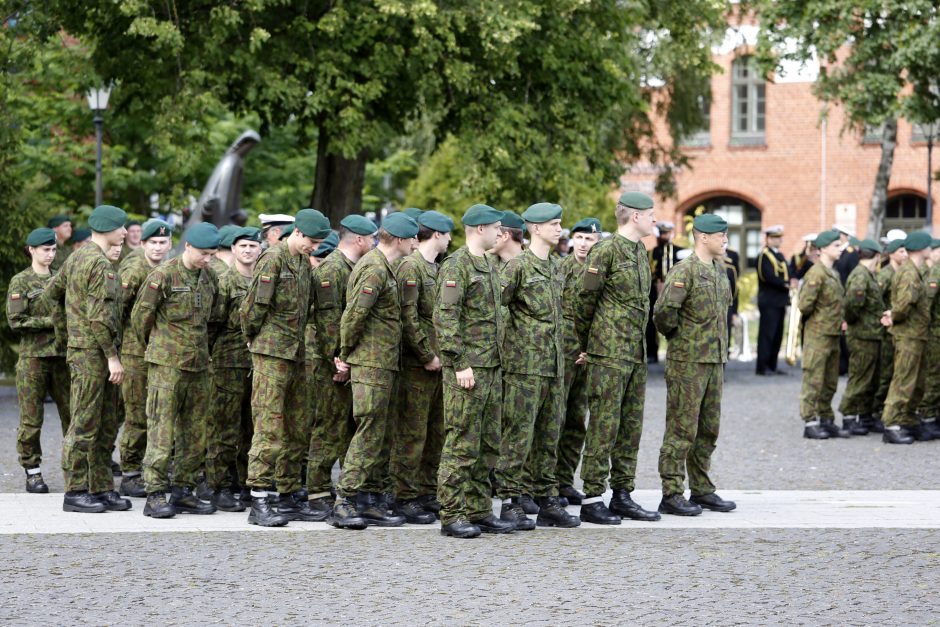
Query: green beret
106,218
400,225
204,236
312,224
636,200
825,238
854,241
478,215
709,223
935,243
80,235
41,237
326,246
58,220
131,223
155,228
360,225
436,221
542,212
511,220
227,235
413,212
587,225
894,245
249,233
870,244
918,240
285,232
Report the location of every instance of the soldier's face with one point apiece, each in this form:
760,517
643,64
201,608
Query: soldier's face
156,249
133,234
443,242
198,257
247,251
273,235
43,255
115,237
114,252
583,243
489,234
548,231
833,251
300,243
63,232
645,221
899,256
716,243
934,254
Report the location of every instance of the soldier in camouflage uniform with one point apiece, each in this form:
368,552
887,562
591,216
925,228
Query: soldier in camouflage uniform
62,227
533,376
897,255
370,350
156,241
509,245
820,303
584,234
86,308
908,321
469,323
41,367
862,310
930,405
228,430
610,320
691,312
171,317
418,436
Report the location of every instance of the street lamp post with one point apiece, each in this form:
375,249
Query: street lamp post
98,102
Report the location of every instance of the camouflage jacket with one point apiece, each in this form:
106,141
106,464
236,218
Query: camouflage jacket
229,346
613,303
370,330
932,281
128,252
134,269
820,301
467,317
218,266
571,271
62,252
30,315
692,311
329,286
863,305
532,289
275,309
910,303
417,279
171,315
884,277
85,299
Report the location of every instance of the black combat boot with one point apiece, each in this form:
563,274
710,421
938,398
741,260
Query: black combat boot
814,431
203,491
375,512
263,515
552,514
513,513
113,501
625,507
896,435
82,502
430,503
676,505
570,493
415,514
529,506
713,502
289,506
225,501
307,511
854,425
598,514
185,502
833,429
133,486
322,504
492,524
346,516
926,430
872,422
460,528
35,484
157,506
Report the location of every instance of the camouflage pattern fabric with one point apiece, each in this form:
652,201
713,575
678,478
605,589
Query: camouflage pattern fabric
820,303
885,277
329,287
930,405
370,329
133,272
859,395
332,427
230,413
372,390
62,252
820,376
417,434
417,280
571,440
230,348
133,444
86,447
907,384
910,303
862,310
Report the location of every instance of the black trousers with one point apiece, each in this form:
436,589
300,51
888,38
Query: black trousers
769,337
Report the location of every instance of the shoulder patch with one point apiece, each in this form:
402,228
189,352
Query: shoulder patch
411,283
154,285
265,278
450,283
16,296
592,269
325,284
678,284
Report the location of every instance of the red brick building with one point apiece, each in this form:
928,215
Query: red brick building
770,156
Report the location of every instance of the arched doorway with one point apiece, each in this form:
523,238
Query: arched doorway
906,211
744,224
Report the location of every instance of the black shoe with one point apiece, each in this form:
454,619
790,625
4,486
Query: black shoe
925,431
133,486
872,422
36,485
288,505
896,436
461,528
185,502
598,514
323,505
833,429
780,372
113,501
263,515
514,514
854,426
572,494
157,506
203,491
529,506
430,503
375,512
415,514
760,373
82,502
492,524
346,516
115,469
622,505
244,495
312,513
815,432
713,502
676,505
552,514
225,501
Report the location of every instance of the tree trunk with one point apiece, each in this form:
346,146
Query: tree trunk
337,191
879,197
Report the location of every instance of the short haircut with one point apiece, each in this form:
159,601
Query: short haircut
424,233
345,234
515,234
385,237
623,213
865,253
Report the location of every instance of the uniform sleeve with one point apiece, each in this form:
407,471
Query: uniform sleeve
809,292
18,314
361,295
452,286
151,295
416,340
510,277
854,300
55,299
213,328
904,294
675,290
97,308
595,271
260,294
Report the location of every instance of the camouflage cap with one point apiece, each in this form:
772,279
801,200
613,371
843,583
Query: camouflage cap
511,220
360,225
636,200
204,236
156,228
400,225
58,220
227,235
312,223
478,215
107,218
709,223
918,240
870,244
825,238
542,212
587,225
436,221
41,237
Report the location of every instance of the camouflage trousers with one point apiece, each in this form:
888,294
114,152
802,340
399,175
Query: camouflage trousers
472,423
885,371
372,391
133,442
530,427
36,376
820,377
859,395
907,384
332,427
693,413
930,405
417,435
177,408
277,406
229,428
86,448
615,400
571,440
